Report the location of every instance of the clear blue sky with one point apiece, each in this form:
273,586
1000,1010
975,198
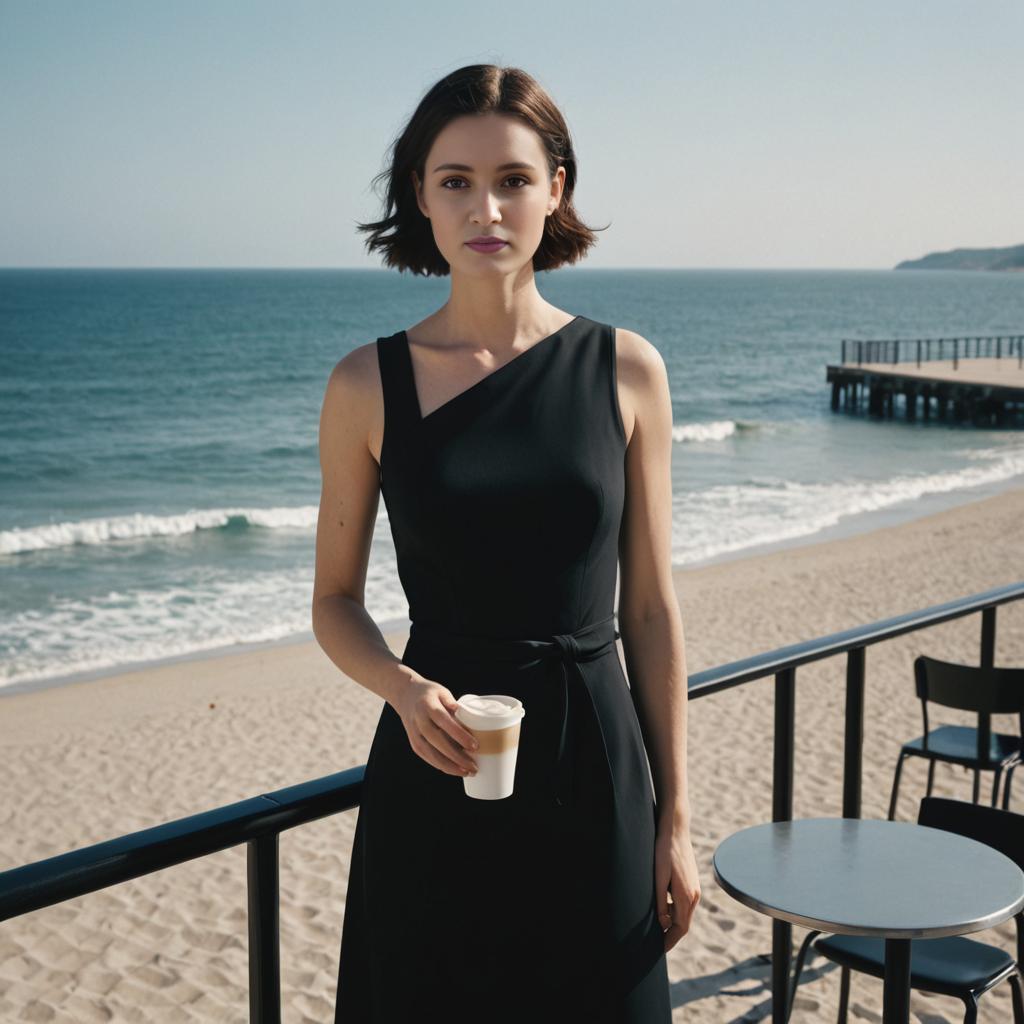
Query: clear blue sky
715,134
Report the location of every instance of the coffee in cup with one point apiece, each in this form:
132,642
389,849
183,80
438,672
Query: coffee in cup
493,719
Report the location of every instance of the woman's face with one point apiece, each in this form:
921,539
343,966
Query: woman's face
468,191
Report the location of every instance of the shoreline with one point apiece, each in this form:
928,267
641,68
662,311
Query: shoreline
863,524
128,751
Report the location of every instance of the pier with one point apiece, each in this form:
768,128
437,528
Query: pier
976,379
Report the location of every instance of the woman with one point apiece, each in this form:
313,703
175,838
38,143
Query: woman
520,451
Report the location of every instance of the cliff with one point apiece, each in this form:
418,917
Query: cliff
1011,258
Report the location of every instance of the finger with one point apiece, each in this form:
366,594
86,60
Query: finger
685,909
661,879
682,918
445,718
435,758
681,914
672,936
665,909
446,746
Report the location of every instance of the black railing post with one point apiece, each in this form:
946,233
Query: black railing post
785,729
853,744
988,637
782,810
264,931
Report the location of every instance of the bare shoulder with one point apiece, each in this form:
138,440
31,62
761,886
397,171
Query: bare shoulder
642,375
354,401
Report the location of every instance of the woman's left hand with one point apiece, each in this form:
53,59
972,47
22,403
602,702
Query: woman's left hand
675,872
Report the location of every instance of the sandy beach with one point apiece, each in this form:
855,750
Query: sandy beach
88,761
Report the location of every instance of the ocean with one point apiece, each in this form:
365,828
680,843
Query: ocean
159,476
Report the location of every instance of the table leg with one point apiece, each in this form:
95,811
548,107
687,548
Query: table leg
782,952
896,997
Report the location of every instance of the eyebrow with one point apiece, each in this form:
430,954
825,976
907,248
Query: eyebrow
515,166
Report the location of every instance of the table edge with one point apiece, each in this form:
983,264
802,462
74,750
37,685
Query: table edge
834,928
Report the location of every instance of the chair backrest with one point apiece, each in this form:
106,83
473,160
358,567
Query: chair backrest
988,691
1002,830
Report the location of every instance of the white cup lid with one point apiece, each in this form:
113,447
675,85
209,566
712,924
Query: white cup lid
490,711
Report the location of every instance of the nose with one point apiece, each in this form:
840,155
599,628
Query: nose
487,208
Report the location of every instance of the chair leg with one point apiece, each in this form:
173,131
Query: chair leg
844,995
931,775
896,787
995,785
971,1010
977,785
1006,793
798,968
1017,994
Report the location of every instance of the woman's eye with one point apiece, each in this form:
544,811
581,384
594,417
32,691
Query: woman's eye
514,177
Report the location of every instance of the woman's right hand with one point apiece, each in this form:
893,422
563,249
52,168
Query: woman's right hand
427,710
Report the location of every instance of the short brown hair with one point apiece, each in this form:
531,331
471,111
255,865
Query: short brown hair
404,235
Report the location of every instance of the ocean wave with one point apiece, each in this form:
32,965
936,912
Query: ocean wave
140,525
731,517
137,625
713,430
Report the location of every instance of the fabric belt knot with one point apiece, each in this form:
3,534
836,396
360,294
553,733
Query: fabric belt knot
568,650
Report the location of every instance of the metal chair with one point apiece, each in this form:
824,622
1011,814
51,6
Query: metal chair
954,966
988,691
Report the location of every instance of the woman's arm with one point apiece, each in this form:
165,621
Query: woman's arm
651,625
349,496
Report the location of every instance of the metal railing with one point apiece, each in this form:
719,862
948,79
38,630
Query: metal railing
891,350
259,821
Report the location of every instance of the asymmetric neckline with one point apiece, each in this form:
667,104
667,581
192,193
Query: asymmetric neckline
478,384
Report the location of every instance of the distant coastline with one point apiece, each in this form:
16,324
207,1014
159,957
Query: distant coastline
1011,258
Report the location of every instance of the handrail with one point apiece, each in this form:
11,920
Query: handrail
258,821
67,875
887,350
758,666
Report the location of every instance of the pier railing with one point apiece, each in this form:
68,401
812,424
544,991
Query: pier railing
259,821
895,350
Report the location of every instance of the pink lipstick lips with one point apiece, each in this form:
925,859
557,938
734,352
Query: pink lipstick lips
484,243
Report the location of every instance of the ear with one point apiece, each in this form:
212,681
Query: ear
557,185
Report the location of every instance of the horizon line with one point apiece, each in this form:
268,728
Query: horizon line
391,270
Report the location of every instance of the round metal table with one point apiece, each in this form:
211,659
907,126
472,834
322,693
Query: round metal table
855,876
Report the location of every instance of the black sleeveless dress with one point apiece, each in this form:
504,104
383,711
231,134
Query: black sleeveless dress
505,505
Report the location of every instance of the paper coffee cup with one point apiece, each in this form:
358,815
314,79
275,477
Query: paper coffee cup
494,720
